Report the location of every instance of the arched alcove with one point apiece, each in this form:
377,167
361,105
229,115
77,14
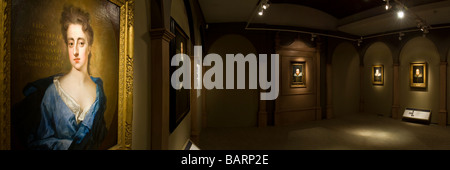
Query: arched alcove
234,107
346,80
378,97
420,50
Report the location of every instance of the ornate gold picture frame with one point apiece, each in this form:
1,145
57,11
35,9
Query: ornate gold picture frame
418,75
378,74
297,73
121,11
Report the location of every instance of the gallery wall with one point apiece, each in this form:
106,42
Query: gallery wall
144,17
301,103
188,15
232,108
345,80
377,99
350,89
141,138
420,49
183,132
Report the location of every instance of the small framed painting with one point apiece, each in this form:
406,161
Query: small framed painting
378,75
298,74
418,75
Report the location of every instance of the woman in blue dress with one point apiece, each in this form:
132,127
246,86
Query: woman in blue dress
72,107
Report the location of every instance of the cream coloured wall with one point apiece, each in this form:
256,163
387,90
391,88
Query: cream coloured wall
378,98
232,108
179,14
420,49
183,132
141,138
345,80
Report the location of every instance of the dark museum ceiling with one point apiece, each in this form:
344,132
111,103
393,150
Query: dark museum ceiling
345,8
355,17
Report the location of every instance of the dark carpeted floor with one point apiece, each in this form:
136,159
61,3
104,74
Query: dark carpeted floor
351,132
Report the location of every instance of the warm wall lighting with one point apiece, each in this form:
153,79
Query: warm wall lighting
400,14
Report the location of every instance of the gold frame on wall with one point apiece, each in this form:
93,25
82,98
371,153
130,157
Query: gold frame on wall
303,72
412,75
381,75
125,86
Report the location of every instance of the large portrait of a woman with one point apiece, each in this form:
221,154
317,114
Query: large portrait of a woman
68,68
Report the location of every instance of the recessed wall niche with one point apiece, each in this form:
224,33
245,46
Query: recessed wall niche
244,101
420,50
378,98
345,80
298,103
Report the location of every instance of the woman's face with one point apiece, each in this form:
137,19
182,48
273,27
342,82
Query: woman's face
78,47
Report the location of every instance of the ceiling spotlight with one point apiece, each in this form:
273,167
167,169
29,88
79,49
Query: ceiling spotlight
419,25
400,14
400,35
260,13
424,29
313,36
387,6
265,6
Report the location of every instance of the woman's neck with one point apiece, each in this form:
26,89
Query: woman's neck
77,76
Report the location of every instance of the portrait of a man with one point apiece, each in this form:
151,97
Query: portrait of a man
298,75
418,75
378,75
